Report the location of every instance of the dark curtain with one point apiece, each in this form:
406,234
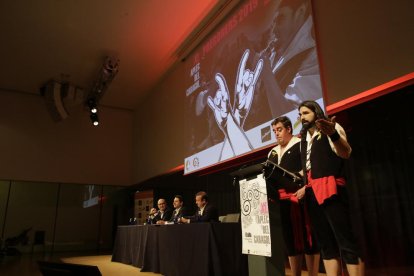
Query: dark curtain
380,177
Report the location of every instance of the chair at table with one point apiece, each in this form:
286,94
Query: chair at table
232,217
11,244
39,239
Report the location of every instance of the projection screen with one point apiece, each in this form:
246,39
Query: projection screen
259,64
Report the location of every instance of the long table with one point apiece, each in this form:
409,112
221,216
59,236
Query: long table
182,249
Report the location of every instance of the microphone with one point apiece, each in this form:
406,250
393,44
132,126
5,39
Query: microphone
270,163
234,181
273,156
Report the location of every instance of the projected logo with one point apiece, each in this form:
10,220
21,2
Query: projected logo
192,163
196,162
265,134
187,165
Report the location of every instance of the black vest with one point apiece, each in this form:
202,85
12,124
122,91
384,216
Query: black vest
324,162
291,162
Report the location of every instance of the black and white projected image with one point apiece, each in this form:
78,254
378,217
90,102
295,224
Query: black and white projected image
259,64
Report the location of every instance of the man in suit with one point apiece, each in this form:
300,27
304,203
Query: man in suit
163,214
205,213
179,211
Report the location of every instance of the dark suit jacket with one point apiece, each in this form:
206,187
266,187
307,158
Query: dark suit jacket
210,214
181,213
166,217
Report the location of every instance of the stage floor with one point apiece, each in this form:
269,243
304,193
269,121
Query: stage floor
26,265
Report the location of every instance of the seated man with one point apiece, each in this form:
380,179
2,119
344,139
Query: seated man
205,213
163,214
179,211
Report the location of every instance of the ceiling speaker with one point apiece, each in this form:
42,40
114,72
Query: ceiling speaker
52,92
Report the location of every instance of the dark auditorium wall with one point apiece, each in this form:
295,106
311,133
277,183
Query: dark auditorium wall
45,166
380,178
58,210
35,148
362,44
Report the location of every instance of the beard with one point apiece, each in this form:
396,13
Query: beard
308,124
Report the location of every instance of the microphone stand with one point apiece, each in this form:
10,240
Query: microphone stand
294,176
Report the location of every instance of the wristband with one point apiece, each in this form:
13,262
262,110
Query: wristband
335,136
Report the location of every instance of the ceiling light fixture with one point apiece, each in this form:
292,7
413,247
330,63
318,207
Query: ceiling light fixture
94,119
106,74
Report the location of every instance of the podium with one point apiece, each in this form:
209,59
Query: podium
262,265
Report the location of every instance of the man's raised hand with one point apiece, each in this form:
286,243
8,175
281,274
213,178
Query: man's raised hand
220,104
245,88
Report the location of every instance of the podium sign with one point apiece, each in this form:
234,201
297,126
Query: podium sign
255,217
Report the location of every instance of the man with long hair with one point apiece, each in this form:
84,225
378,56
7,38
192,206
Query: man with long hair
326,198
